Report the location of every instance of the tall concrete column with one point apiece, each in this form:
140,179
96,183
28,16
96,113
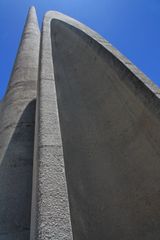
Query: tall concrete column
17,136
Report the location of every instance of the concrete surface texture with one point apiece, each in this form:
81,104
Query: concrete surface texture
96,140
17,137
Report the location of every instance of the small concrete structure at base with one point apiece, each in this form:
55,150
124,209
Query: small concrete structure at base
96,153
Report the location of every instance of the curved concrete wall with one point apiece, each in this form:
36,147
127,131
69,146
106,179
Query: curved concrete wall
17,137
110,131
108,114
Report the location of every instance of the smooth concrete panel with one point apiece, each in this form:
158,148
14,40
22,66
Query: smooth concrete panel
16,236
110,124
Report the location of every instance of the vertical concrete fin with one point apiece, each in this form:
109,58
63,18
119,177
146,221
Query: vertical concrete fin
31,25
32,17
28,51
97,153
17,135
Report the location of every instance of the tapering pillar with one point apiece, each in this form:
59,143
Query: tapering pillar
17,136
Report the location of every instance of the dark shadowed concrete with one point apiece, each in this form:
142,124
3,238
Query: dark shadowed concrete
110,126
16,179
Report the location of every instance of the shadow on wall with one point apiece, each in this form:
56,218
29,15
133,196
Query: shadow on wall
110,131
16,179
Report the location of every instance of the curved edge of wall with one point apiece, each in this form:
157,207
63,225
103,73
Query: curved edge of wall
50,205
51,15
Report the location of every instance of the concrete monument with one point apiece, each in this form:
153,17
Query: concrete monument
79,139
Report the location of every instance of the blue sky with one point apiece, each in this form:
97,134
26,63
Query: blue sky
132,26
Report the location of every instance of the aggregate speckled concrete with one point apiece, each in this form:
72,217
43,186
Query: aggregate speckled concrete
96,141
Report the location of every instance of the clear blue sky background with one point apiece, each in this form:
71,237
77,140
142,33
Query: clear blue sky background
132,26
